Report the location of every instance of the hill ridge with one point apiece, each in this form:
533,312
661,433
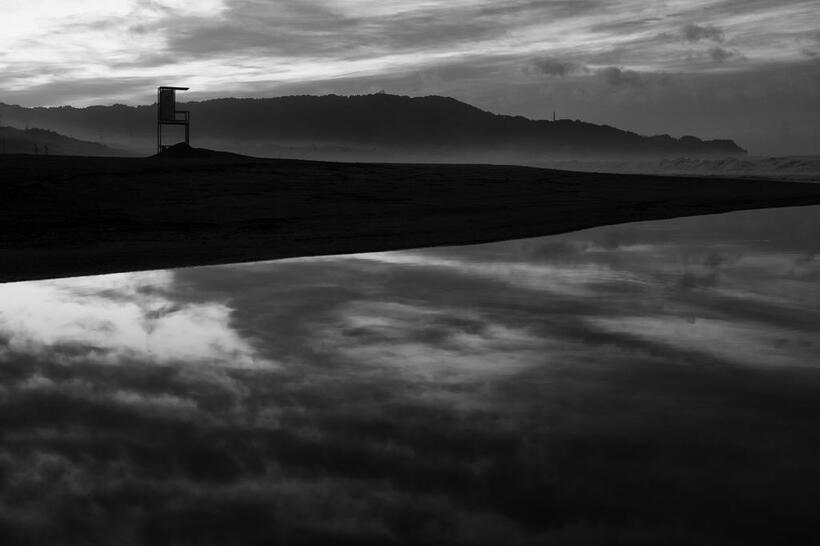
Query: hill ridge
360,126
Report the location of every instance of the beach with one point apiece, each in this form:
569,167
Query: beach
71,216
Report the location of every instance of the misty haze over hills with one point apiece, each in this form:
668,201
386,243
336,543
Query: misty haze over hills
42,141
365,127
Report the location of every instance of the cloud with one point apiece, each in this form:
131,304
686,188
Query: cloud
80,89
550,66
557,9
627,26
113,317
812,51
310,29
619,77
429,345
721,55
696,33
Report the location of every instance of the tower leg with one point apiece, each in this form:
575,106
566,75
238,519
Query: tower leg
159,124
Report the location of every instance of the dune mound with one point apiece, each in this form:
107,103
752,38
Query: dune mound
185,151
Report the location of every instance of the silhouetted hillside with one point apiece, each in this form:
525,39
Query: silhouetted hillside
184,151
367,126
42,141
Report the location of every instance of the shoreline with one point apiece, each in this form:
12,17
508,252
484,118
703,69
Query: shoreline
63,216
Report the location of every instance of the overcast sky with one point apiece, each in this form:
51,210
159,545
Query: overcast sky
742,69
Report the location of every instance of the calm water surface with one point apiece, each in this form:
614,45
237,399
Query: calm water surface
641,383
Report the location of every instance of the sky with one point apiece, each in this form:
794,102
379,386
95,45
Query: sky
743,69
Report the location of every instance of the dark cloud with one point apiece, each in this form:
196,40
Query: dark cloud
691,280
811,51
308,29
554,67
721,55
696,33
612,75
619,77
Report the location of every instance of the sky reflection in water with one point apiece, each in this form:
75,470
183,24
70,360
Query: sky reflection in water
620,383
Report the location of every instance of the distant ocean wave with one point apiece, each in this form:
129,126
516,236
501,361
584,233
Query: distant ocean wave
792,167
802,168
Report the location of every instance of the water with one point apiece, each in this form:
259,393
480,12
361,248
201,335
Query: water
649,382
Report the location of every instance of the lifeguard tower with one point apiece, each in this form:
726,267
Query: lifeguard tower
167,113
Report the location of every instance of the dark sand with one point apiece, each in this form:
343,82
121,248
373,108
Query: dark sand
67,216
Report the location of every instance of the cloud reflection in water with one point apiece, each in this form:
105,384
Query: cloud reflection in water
623,383
109,318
